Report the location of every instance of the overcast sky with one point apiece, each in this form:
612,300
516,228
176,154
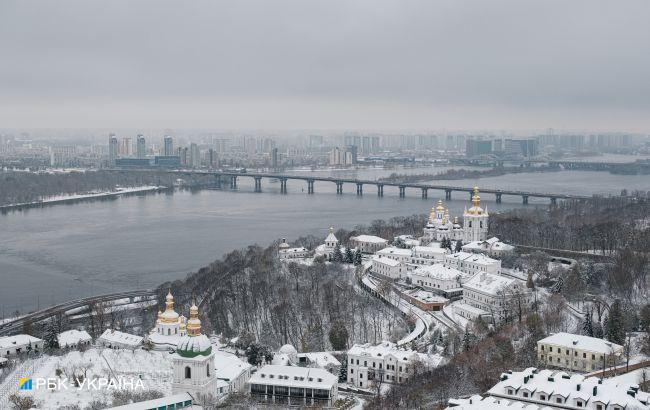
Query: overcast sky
375,64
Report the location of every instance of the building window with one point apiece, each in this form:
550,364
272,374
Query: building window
207,369
188,372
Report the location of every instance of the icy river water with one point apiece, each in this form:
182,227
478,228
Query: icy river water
61,252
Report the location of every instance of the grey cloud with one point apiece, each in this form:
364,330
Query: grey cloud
360,64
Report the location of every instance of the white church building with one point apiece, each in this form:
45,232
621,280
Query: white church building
193,361
170,327
441,226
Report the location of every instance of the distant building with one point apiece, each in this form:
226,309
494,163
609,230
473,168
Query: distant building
294,386
193,361
441,226
327,249
388,267
195,156
472,263
475,148
368,243
401,255
141,149
386,362
74,338
13,345
170,327
490,295
286,252
172,161
577,352
541,389
232,370
522,147
114,339
176,401
134,163
112,149
492,247
427,255
274,158
443,279
168,146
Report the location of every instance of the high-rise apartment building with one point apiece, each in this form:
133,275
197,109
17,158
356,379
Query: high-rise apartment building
112,149
169,146
141,149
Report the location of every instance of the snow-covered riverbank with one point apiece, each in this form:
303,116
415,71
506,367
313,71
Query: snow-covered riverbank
88,195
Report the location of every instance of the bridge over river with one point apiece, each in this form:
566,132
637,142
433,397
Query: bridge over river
16,325
229,179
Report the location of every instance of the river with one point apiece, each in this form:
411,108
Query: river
61,252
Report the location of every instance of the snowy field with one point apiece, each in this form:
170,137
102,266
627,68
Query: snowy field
153,368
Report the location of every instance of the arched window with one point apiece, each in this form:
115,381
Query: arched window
470,224
169,332
207,369
481,224
188,372
175,331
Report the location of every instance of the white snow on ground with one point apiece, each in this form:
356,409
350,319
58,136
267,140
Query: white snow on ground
449,311
153,368
635,376
93,194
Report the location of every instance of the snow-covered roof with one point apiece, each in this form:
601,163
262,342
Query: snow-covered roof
477,258
228,366
592,344
386,348
321,359
306,377
115,336
438,271
73,337
368,238
3,360
17,340
477,402
430,250
293,250
488,283
331,238
591,389
162,402
394,251
386,261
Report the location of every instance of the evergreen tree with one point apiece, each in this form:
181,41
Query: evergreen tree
615,325
338,255
338,336
349,256
459,245
468,340
51,336
598,329
644,319
588,326
358,258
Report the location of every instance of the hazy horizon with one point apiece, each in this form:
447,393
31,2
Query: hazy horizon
386,66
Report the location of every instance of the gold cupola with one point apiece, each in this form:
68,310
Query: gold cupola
476,203
194,323
169,315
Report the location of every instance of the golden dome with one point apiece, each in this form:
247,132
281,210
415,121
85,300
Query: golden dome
169,315
476,203
439,207
194,323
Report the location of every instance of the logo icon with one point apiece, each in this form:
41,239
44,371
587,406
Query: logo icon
25,383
